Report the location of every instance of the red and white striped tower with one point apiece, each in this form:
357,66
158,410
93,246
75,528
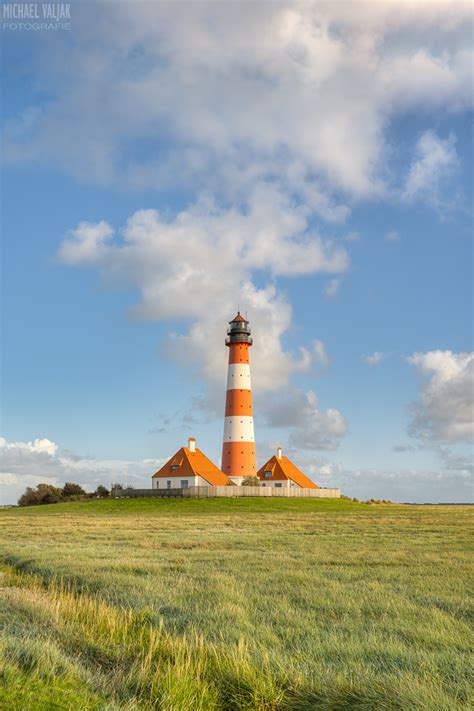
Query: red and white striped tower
238,449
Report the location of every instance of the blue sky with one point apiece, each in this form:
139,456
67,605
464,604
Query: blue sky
310,163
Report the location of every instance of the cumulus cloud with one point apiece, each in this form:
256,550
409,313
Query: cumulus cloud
310,427
204,261
435,159
392,236
373,359
37,447
86,244
25,464
227,95
444,412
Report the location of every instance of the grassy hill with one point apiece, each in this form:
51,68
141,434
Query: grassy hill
234,604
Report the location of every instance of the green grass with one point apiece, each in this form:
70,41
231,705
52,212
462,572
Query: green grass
172,506
235,604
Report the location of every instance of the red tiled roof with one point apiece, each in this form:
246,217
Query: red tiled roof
285,469
192,464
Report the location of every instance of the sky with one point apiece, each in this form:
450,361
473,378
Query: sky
165,163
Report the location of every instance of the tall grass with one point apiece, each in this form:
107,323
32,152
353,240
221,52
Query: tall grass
133,605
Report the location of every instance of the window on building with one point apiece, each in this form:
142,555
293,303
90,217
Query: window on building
184,483
168,484
278,486
174,467
267,475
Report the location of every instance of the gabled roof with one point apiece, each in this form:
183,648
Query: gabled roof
283,468
186,463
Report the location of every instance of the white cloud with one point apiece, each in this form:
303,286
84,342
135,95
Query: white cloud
203,262
452,483
374,358
444,412
332,287
392,236
434,161
86,244
455,461
407,485
25,464
310,427
226,96
38,446
320,354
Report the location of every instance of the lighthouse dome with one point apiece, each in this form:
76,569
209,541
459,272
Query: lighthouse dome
239,318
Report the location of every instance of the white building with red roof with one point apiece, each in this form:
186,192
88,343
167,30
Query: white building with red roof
280,472
189,467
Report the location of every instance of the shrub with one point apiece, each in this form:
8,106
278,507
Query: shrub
251,481
44,494
70,489
102,491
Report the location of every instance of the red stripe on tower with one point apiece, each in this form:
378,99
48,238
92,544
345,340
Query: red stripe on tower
238,448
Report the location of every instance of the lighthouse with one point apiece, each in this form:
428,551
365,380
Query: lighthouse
238,449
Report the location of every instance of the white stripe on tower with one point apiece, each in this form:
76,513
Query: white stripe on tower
238,377
238,429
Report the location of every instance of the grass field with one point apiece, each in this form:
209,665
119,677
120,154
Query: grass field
235,604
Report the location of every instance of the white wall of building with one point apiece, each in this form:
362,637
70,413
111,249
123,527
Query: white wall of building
161,482
284,483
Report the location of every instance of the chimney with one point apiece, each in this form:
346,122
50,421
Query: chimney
279,450
192,444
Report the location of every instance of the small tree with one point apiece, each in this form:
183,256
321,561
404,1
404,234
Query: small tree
117,486
29,498
70,489
102,491
251,481
49,494
44,494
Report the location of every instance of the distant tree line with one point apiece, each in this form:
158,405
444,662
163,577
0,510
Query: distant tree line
49,494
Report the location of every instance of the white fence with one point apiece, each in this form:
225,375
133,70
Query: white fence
208,492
